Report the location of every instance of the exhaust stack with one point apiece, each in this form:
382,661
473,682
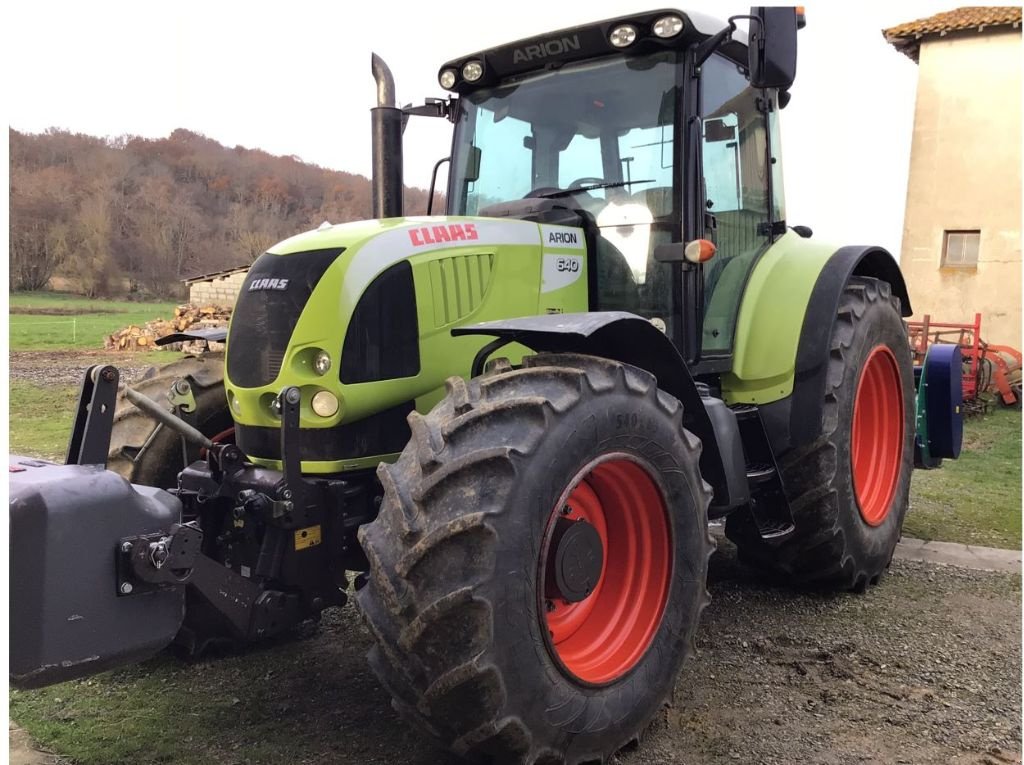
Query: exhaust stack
386,127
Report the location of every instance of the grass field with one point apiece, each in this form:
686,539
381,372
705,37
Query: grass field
41,418
977,498
52,353
51,320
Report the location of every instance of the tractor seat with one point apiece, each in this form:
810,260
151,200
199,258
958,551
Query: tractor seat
658,200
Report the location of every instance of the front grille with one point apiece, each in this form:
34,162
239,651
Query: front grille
274,361
264,318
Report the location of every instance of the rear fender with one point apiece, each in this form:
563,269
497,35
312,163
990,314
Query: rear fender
812,356
784,327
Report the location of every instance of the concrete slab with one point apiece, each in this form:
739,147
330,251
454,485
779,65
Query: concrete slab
946,553
954,554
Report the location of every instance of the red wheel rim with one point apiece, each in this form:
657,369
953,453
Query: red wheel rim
877,452
599,639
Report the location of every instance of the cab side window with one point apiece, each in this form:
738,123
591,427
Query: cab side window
734,156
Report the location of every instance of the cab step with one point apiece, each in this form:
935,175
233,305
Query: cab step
768,504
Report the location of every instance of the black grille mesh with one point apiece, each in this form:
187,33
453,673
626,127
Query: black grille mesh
383,340
263,320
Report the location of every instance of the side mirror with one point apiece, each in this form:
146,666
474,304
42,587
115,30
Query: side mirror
772,47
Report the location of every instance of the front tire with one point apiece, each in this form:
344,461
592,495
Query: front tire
471,640
849,489
148,453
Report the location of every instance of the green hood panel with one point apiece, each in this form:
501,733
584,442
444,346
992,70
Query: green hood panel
464,270
345,235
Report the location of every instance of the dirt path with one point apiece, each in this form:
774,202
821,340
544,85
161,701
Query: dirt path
924,669
24,752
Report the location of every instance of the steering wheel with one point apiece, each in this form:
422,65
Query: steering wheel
541,191
586,180
580,198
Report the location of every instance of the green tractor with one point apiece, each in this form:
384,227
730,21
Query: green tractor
507,428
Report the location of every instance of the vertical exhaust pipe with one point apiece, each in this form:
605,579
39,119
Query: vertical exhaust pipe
386,126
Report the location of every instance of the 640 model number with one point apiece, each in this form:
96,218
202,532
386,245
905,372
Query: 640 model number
567,265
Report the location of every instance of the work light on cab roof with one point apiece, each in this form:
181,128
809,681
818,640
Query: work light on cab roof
623,36
668,26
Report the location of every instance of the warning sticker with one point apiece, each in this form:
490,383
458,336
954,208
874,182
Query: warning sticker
307,537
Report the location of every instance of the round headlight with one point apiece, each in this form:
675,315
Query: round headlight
322,362
325,403
668,26
473,71
447,79
622,36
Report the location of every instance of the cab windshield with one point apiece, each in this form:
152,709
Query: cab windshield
604,130
600,136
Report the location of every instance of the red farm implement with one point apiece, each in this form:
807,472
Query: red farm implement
987,368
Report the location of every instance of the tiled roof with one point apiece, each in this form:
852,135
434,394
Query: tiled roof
907,37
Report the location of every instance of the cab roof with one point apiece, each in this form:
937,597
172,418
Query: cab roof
550,50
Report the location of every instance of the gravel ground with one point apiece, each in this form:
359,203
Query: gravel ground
923,669
68,367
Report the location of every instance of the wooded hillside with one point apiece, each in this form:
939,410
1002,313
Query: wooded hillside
135,214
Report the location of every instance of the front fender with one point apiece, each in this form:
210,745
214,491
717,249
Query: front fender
630,339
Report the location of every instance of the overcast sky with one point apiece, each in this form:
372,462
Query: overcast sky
294,78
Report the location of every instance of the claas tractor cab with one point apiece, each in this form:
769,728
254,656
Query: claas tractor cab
505,429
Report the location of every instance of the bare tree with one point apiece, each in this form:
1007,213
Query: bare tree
40,235
93,264
157,210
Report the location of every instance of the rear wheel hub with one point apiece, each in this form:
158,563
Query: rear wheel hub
578,557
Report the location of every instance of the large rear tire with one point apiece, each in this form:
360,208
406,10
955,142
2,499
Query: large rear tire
474,642
849,489
147,453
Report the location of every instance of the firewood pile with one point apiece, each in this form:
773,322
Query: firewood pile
143,338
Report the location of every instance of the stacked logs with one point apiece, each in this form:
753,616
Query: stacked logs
143,338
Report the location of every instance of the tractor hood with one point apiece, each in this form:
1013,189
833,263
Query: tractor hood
370,247
358,317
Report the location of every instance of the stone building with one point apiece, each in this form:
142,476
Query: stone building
219,288
961,234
